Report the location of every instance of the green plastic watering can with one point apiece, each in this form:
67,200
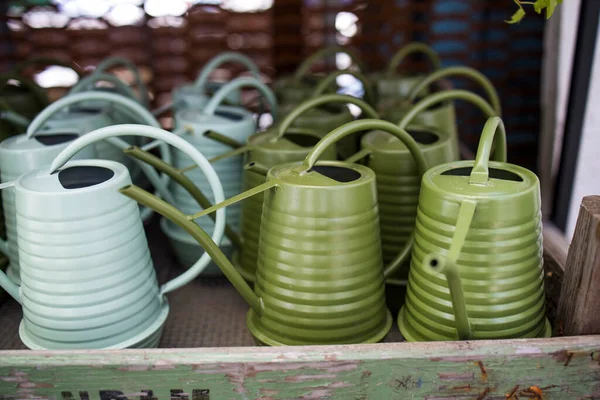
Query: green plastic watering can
74,226
282,143
476,270
300,86
112,62
320,278
27,99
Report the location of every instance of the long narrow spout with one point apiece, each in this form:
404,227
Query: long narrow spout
256,167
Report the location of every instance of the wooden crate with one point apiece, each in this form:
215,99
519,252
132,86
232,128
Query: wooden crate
208,313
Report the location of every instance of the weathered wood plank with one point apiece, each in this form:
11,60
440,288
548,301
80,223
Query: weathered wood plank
556,248
579,304
564,368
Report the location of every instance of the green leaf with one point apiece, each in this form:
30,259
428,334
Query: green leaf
517,16
539,5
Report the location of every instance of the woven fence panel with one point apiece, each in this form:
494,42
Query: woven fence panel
171,50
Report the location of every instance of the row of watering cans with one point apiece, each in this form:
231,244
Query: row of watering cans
310,231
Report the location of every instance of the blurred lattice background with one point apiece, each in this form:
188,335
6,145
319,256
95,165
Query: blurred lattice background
172,39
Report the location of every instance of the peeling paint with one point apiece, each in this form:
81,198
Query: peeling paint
456,376
301,378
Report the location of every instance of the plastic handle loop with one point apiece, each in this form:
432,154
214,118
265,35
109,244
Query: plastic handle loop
493,133
34,88
235,84
331,78
313,58
116,61
324,99
182,145
414,47
48,61
228,56
88,83
466,72
367,125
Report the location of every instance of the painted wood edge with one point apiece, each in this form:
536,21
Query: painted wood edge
514,348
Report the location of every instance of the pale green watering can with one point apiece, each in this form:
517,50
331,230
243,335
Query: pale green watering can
320,278
75,226
476,270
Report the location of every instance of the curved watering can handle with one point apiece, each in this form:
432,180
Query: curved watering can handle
328,51
329,79
30,85
88,82
160,183
467,72
235,84
324,99
115,61
180,144
493,133
228,56
367,125
414,47
48,61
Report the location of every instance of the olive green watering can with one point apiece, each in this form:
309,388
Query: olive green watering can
437,113
323,117
282,143
391,86
299,87
26,99
398,178
320,278
476,269
197,95
87,276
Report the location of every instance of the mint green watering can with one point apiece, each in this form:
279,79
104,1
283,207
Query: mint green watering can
87,277
320,278
476,270
111,62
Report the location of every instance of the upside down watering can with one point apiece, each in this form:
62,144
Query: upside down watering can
320,276
324,117
390,86
299,87
398,178
197,95
67,113
476,269
87,276
212,130
440,113
19,155
280,144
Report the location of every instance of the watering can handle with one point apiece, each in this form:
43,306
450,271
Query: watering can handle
47,61
237,83
90,80
131,105
329,79
113,61
14,118
34,88
467,72
414,47
229,56
309,61
11,288
324,99
367,125
173,140
493,133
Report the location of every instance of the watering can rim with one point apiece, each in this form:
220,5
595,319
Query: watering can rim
11,144
275,173
269,136
368,139
26,180
245,114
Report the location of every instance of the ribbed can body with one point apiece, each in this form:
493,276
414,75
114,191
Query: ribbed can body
87,276
319,266
500,264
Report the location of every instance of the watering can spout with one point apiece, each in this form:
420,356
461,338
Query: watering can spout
186,222
257,167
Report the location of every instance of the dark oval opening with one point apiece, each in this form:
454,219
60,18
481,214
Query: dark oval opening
302,140
229,115
424,137
57,138
84,176
87,110
340,174
493,173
